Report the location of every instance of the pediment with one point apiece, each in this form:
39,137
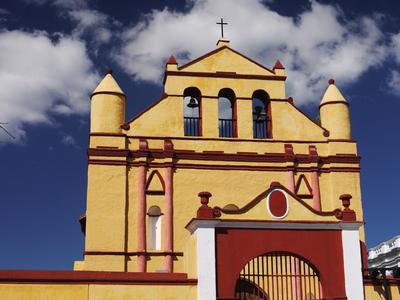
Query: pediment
225,59
277,203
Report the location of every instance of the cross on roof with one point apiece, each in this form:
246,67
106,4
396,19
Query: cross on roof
222,26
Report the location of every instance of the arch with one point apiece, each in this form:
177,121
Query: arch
192,111
231,207
278,275
154,228
227,113
261,114
154,211
303,188
155,185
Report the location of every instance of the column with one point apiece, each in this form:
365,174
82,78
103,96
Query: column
168,219
291,180
206,275
352,261
141,218
316,204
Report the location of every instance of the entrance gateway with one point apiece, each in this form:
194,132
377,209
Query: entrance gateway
240,258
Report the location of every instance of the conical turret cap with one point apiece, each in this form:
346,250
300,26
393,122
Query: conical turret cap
332,94
108,86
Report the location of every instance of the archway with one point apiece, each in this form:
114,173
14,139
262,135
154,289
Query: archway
278,275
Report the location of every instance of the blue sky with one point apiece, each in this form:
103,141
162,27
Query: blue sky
53,53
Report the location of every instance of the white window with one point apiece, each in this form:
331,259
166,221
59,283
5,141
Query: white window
154,228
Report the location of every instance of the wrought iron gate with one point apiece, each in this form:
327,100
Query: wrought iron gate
278,276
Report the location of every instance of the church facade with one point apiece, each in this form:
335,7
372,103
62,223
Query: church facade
222,189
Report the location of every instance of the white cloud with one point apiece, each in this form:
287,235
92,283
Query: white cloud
95,24
40,77
68,4
314,46
68,140
394,82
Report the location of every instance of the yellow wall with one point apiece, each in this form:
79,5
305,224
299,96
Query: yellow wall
95,292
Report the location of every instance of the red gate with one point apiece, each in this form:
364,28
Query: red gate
278,276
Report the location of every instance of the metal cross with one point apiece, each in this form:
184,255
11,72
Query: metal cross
222,26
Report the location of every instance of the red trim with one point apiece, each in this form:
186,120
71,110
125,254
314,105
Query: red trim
220,49
158,192
325,141
336,212
225,167
302,177
93,277
107,93
107,134
136,253
334,102
223,75
221,156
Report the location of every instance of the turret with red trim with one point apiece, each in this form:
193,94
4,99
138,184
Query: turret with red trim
334,113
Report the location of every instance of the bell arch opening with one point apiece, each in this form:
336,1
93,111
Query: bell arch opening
278,275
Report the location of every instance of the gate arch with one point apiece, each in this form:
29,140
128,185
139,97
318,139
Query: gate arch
278,275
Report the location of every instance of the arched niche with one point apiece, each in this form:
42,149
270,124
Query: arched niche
261,114
227,113
192,111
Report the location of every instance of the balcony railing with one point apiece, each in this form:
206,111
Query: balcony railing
225,127
260,129
192,126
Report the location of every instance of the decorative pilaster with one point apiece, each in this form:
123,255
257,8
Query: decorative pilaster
316,204
141,211
168,211
290,173
141,219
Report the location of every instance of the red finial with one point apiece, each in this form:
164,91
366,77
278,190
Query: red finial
290,100
278,65
331,81
172,61
345,200
204,197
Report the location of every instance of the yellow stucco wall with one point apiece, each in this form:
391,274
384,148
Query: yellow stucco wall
95,292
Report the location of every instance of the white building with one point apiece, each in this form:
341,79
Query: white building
385,255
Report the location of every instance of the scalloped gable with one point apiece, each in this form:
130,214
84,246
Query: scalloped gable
225,59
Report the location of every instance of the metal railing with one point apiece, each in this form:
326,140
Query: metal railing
192,126
278,275
260,129
226,128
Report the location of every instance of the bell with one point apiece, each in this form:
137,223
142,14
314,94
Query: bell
192,103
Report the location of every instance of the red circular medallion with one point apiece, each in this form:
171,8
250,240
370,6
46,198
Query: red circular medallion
277,204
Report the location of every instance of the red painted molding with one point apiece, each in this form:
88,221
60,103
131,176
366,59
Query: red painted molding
155,192
109,93
107,134
334,102
223,167
221,156
224,75
220,49
301,178
135,253
93,277
231,139
218,210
